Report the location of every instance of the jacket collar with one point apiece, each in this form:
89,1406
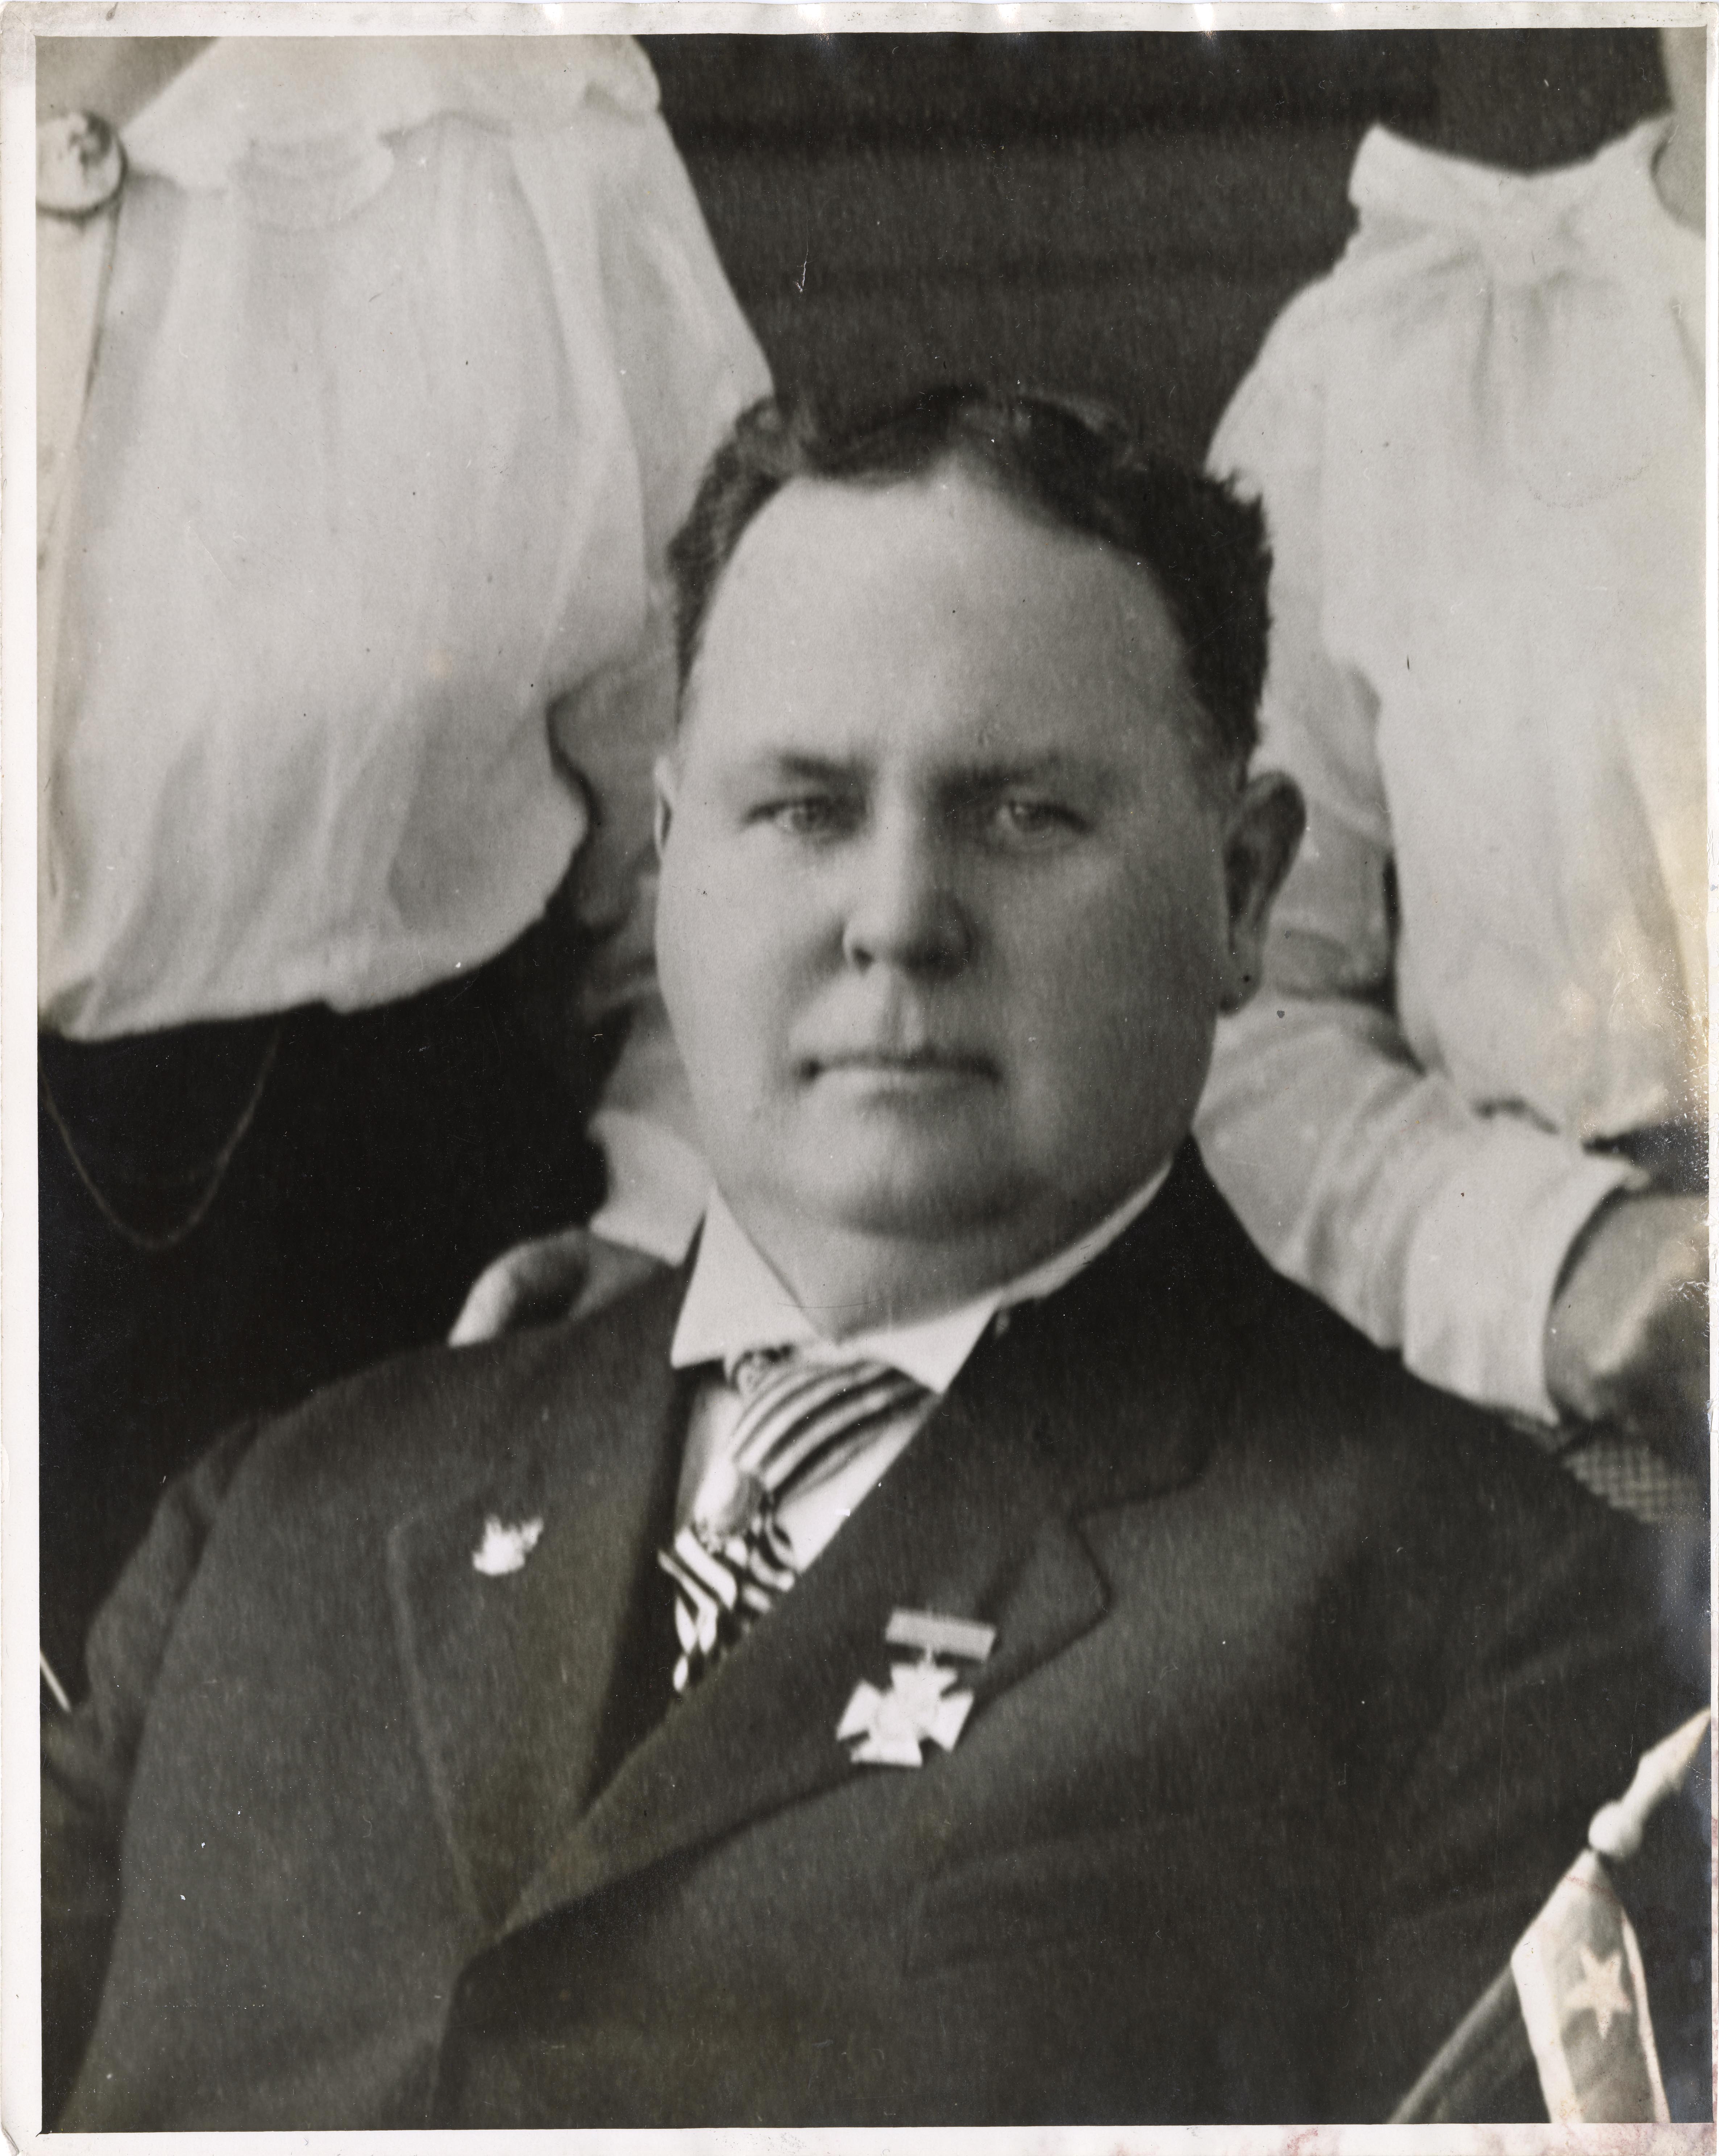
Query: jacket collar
1106,1393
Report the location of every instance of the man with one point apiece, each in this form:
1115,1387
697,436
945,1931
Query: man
977,1646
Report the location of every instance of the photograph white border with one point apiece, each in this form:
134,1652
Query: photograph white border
21,21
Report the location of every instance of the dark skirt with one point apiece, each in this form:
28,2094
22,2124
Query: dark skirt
232,1214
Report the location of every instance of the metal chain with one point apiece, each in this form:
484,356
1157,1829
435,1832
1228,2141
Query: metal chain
141,1238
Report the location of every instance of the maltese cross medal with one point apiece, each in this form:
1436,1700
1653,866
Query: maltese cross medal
892,1726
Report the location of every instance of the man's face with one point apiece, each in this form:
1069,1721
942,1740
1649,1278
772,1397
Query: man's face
947,911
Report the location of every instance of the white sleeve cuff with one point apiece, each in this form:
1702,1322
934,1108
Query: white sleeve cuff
1485,1259
657,1186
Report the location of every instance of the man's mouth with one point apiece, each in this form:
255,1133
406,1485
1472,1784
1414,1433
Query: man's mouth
903,1065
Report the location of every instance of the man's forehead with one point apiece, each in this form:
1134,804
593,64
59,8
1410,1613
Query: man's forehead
940,571
826,532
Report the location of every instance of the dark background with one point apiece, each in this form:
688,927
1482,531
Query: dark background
1113,214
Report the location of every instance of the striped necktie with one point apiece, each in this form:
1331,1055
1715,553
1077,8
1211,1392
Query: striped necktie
801,1421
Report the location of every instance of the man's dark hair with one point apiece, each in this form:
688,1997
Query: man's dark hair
1072,464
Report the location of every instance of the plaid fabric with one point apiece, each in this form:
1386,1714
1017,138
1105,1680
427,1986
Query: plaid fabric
1635,1479
1624,1472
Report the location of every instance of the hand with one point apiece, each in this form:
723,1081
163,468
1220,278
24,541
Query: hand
1626,1340
569,1275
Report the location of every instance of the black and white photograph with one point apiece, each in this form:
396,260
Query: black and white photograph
864,1283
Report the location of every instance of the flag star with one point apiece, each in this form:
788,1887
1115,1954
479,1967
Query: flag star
1599,1992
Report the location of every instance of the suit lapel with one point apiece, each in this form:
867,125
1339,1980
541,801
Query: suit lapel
522,1684
952,1528
511,1673
1102,1391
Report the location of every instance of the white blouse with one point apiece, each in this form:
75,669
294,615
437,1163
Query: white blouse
354,623
1480,446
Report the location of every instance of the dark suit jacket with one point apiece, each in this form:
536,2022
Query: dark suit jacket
1306,1682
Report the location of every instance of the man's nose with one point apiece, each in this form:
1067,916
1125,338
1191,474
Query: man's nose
905,909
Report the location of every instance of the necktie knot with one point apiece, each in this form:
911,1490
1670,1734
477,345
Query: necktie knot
756,1367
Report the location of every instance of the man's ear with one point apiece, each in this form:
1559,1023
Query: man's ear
1263,830
665,780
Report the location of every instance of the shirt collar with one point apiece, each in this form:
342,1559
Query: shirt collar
735,1303
268,97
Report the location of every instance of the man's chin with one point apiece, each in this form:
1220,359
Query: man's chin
898,1198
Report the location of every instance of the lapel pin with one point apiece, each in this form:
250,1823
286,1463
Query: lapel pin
505,1548
892,1726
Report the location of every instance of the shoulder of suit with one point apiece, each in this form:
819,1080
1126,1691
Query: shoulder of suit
435,1416
1315,1381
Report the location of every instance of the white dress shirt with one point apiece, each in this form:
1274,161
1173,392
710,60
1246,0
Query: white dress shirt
408,355
1480,446
735,1305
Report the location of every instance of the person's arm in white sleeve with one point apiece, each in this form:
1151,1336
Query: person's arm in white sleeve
1436,1229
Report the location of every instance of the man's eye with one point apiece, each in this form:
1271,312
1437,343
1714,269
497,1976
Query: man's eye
805,815
1017,818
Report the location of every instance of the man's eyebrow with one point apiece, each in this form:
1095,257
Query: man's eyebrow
1052,766
794,766
1049,767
